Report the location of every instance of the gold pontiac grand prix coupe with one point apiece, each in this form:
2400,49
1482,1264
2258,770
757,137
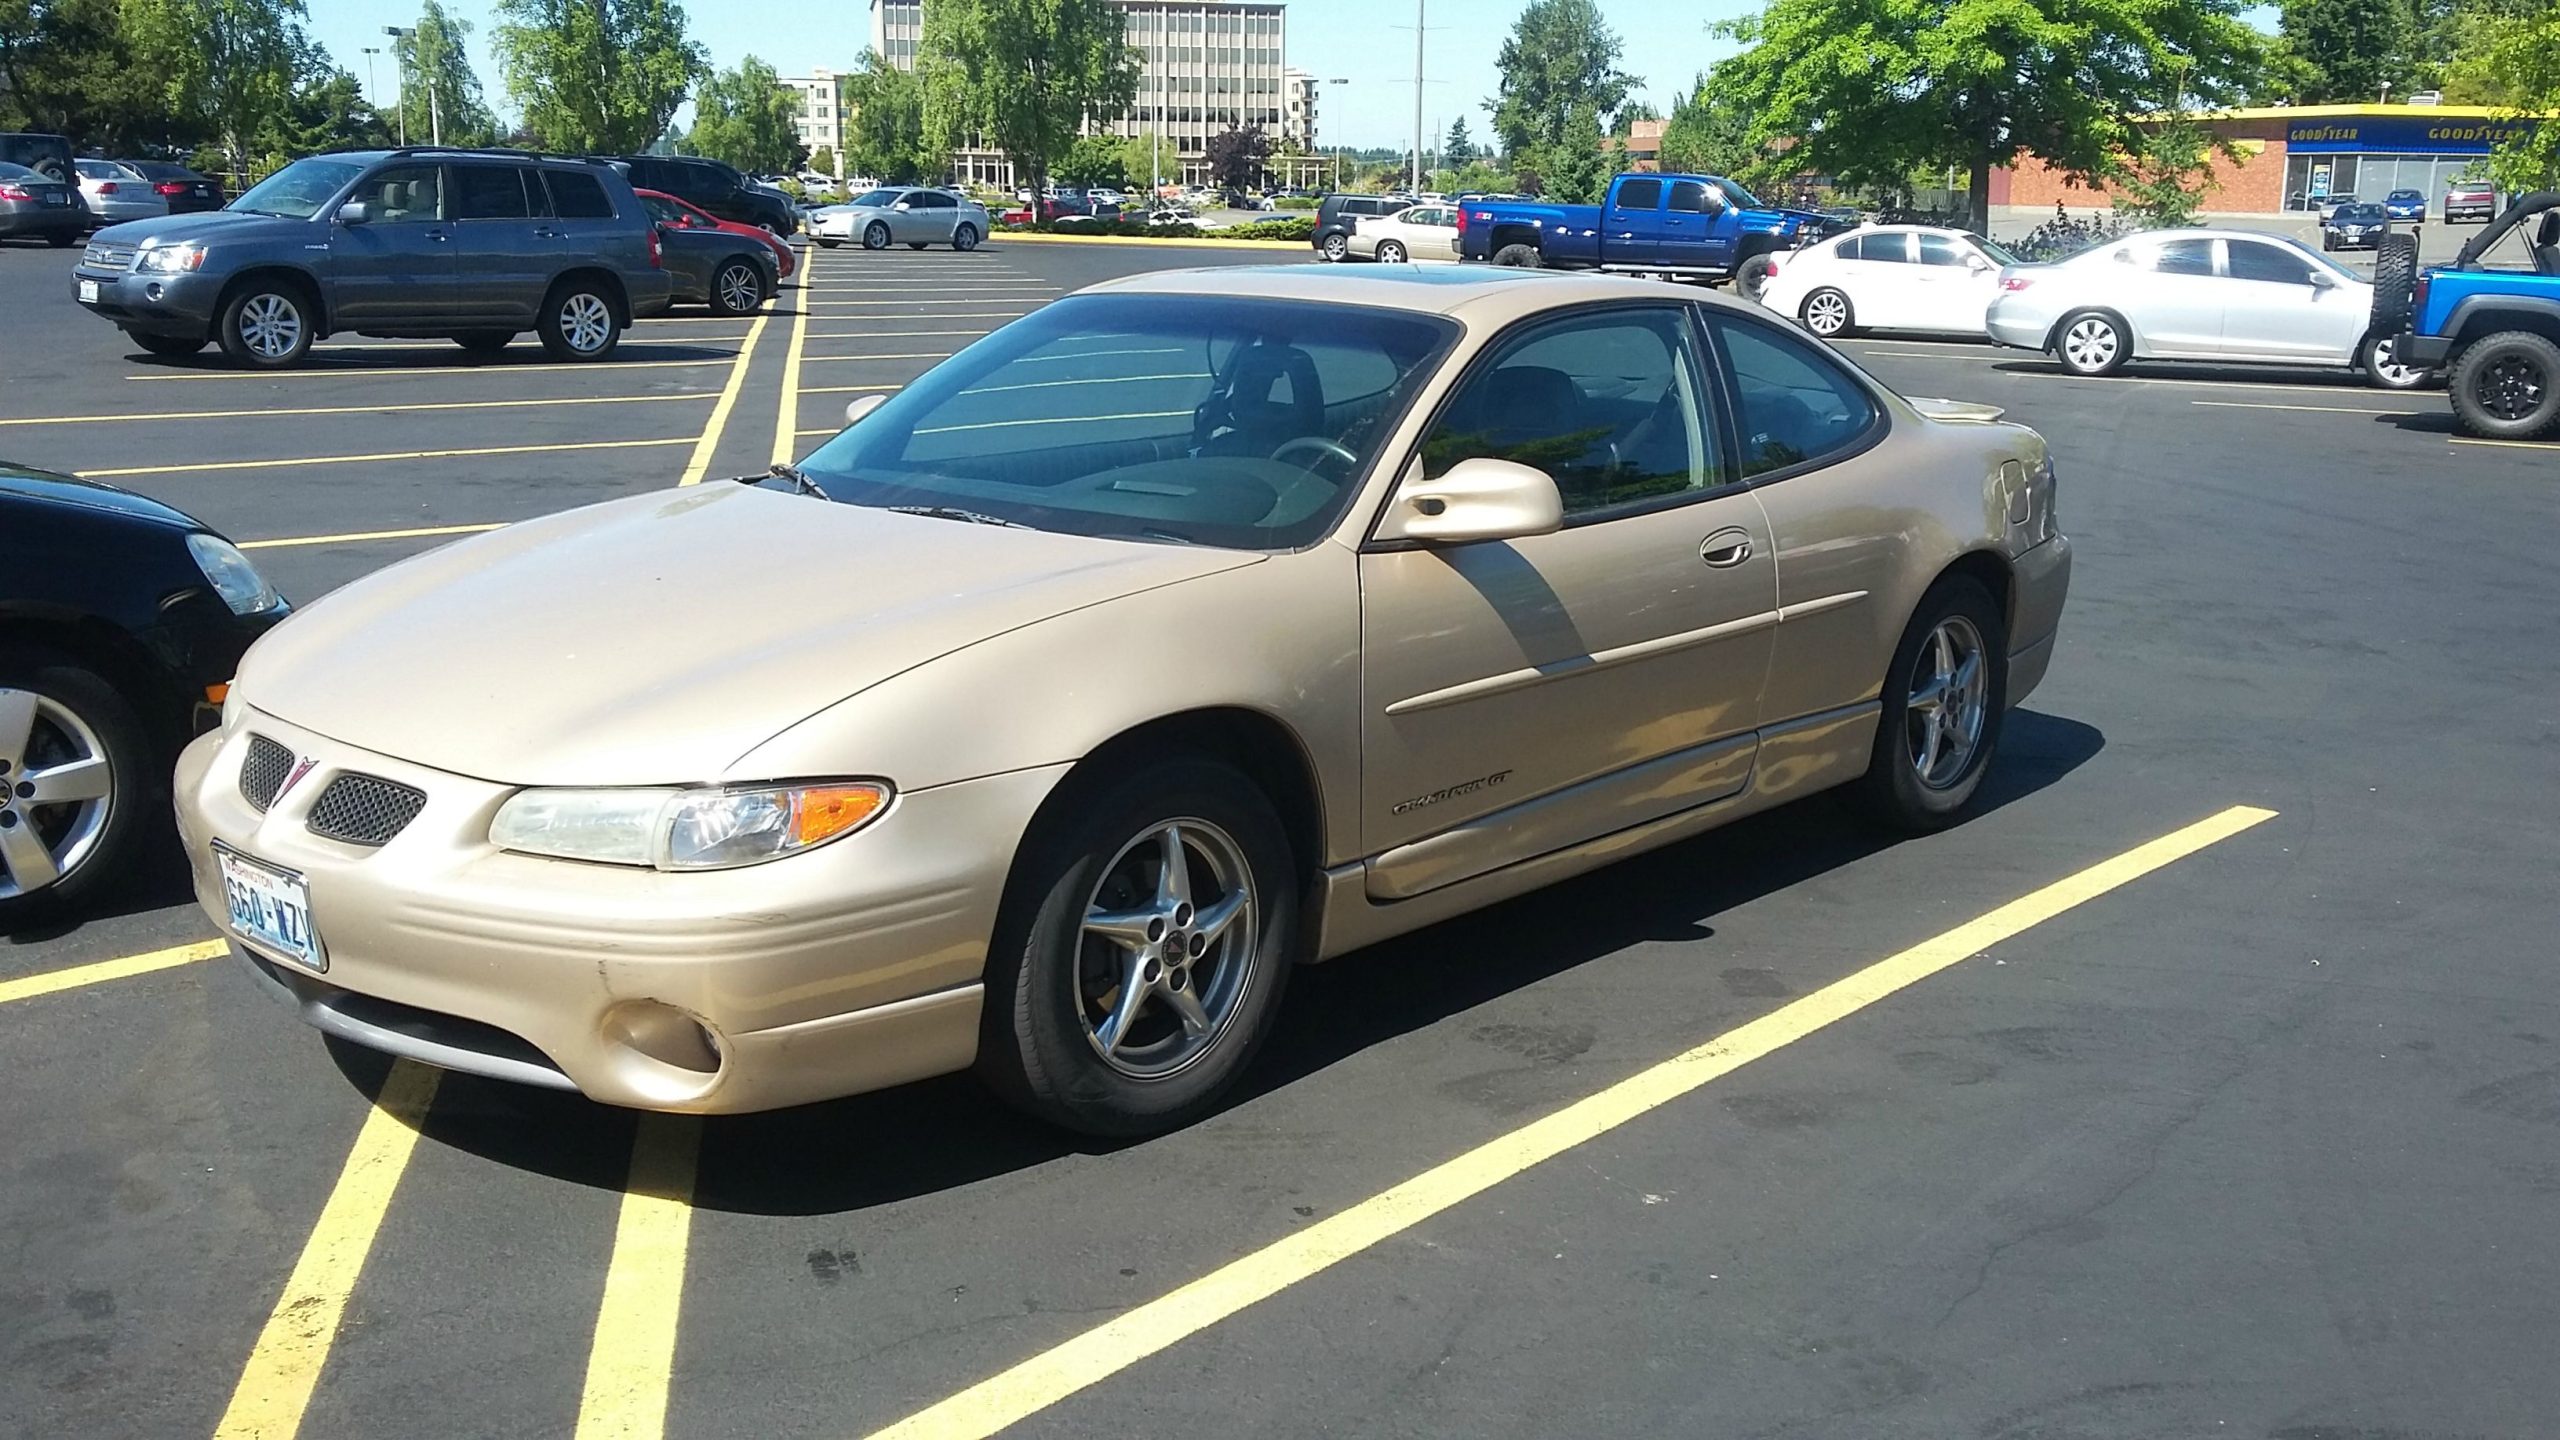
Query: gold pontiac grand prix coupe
1197,625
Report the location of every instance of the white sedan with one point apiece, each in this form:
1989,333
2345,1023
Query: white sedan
2219,295
1890,277
1419,232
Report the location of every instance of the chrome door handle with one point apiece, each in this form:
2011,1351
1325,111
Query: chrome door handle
1726,548
437,236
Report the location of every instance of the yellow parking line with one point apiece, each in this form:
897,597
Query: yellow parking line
822,430
633,1353
709,440
788,411
351,372
846,389
980,288
73,977
908,355
1025,304
375,458
2321,409
386,408
275,1386
1061,1371
353,536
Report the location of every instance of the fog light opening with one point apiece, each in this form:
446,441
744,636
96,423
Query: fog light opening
665,1035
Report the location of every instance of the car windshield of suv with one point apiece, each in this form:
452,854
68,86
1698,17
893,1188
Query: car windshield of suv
1240,423
877,198
1742,199
297,191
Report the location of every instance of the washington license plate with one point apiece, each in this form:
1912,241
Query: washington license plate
270,908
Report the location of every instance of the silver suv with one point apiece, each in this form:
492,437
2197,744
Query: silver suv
476,246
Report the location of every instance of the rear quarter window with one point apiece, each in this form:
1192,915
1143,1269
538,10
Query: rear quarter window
1795,406
576,195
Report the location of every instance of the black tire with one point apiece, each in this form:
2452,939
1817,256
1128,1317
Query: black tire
1521,257
267,325
2395,283
570,322
2507,386
1833,310
1751,276
965,237
173,347
62,239
2379,372
737,287
1390,253
2077,343
1335,248
1893,793
137,770
1037,1047
485,342
829,244
915,244
2328,241
876,236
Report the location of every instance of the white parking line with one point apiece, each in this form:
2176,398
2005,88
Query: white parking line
387,407
1025,304
351,372
2321,409
375,458
918,355
883,334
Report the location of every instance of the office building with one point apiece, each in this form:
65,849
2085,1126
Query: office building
822,114
1298,109
896,26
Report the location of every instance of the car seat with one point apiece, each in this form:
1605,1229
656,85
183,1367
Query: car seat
1251,414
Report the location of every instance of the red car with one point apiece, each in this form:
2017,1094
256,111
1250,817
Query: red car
668,210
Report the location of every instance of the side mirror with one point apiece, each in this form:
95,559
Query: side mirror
2323,280
902,205
1479,499
1977,265
354,212
862,405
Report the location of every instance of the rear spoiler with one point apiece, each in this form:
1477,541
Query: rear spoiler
1961,411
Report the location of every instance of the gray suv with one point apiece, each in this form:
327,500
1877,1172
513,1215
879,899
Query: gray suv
476,246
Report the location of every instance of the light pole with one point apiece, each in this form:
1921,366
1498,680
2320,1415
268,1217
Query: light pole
435,112
400,60
1337,150
372,91
1417,98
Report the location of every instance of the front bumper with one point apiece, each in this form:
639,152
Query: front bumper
850,968
2428,351
180,304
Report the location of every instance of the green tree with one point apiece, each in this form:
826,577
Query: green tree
437,83
1868,91
1459,150
747,117
229,63
1575,169
325,110
1558,66
1624,124
1096,160
1238,156
1709,134
885,135
2165,183
823,160
2347,49
597,75
2520,64
70,67
1025,74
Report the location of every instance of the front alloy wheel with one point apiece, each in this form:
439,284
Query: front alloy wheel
267,329
1167,948
75,783
876,237
1944,696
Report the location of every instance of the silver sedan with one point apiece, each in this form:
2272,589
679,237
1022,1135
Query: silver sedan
894,215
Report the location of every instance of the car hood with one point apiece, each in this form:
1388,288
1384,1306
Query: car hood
659,638
204,225
46,487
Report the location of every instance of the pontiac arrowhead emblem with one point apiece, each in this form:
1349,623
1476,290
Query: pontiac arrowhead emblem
301,767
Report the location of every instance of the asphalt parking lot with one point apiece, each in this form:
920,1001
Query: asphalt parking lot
2208,1083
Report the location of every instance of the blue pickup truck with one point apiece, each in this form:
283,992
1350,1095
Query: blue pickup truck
1700,227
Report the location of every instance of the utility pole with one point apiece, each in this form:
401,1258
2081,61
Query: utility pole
1418,33
401,56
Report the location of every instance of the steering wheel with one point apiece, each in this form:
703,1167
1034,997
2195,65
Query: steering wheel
1321,446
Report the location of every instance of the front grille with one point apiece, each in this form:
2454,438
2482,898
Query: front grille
365,809
107,257
263,772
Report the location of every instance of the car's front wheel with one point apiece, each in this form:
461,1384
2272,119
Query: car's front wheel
738,288
2507,386
876,236
2092,343
1156,928
1826,313
267,326
578,323
77,786
1944,696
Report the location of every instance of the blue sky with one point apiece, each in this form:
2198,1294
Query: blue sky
1354,40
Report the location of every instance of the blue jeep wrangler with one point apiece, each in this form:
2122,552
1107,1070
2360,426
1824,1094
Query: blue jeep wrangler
2493,326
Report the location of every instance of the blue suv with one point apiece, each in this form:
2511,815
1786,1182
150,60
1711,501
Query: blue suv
2495,329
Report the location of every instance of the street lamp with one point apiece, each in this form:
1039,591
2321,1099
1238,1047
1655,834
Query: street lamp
435,112
1337,150
372,91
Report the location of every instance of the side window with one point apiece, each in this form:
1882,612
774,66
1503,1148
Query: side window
1939,250
1892,247
2253,261
576,195
488,192
1690,196
932,200
1608,404
411,193
662,210
1638,195
2183,257
1796,405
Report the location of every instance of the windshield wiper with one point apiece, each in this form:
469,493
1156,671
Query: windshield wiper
799,478
953,512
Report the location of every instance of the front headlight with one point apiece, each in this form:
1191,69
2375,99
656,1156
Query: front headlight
231,575
692,829
170,259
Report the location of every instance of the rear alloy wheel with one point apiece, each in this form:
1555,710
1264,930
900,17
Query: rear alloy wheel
1336,248
1826,313
965,238
75,792
1134,994
738,288
876,236
2091,344
2385,373
578,323
1390,253
174,347
1944,695
267,327
2507,386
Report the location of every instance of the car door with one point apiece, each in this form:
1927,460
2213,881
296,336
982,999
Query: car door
2173,297
1431,234
503,266
1631,226
932,215
397,266
1954,286
2280,304
1876,272
1687,233
1524,695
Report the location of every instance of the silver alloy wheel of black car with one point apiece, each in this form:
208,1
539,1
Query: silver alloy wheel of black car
1949,700
876,236
270,326
1337,247
1168,946
1826,313
2090,344
738,288
57,791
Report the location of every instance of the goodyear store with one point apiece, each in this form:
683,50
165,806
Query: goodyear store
2370,151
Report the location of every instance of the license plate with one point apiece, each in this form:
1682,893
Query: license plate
57,198
270,908
89,292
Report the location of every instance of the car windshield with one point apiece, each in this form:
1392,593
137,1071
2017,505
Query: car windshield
878,197
297,191
1999,253
1741,198
2360,212
2406,195
1240,423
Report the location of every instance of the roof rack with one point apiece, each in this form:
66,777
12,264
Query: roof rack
508,151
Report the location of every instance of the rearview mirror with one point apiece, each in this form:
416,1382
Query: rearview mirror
354,212
1479,499
862,405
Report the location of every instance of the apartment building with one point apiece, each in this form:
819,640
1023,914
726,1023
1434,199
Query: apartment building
822,114
1298,91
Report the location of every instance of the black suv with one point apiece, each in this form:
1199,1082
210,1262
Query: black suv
1338,215
710,185
476,246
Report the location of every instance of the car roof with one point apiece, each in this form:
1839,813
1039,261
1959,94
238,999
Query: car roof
1488,294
